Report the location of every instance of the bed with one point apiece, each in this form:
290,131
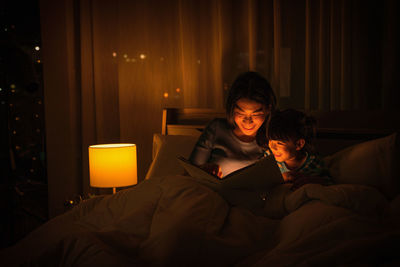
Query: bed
170,219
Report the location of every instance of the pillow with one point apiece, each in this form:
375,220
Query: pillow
166,148
374,163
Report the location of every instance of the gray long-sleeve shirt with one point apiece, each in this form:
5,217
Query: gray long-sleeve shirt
218,144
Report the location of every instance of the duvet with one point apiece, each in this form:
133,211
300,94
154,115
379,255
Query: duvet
176,221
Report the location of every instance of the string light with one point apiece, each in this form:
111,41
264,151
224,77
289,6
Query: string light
142,56
37,48
165,95
178,90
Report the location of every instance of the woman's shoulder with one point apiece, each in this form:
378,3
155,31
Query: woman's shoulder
217,128
219,123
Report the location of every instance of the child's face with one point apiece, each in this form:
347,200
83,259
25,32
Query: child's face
285,150
249,115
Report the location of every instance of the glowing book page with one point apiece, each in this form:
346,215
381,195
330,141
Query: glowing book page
264,174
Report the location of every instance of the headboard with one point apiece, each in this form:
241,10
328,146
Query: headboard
336,129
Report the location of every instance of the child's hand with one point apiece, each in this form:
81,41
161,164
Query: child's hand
287,177
212,168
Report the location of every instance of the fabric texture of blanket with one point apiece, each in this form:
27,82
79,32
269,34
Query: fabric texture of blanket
175,221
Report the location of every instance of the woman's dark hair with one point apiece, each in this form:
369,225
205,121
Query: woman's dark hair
253,86
292,125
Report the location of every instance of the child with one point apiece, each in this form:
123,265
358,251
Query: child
234,142
290,134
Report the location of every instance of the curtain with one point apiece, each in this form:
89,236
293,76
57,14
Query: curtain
136,57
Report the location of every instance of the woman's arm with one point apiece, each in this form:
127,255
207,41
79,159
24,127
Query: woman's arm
202,150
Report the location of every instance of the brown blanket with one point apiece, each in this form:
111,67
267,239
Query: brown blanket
174,220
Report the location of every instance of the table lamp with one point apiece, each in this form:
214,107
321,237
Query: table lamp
112,165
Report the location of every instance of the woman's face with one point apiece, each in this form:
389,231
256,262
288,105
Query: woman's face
249,115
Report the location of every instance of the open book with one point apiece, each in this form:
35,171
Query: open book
262,175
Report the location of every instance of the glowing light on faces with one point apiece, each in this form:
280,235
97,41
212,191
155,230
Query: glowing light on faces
283,150
289,152
248,115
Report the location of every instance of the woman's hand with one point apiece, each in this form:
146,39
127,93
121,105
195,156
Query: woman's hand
212,168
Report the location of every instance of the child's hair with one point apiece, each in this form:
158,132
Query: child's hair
292,125
253,86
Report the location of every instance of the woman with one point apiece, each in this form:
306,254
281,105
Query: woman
231,143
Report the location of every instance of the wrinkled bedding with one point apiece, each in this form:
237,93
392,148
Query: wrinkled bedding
174,220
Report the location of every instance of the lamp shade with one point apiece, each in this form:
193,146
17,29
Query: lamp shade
112,165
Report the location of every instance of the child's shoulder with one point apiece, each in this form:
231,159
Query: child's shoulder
314,164
313,159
